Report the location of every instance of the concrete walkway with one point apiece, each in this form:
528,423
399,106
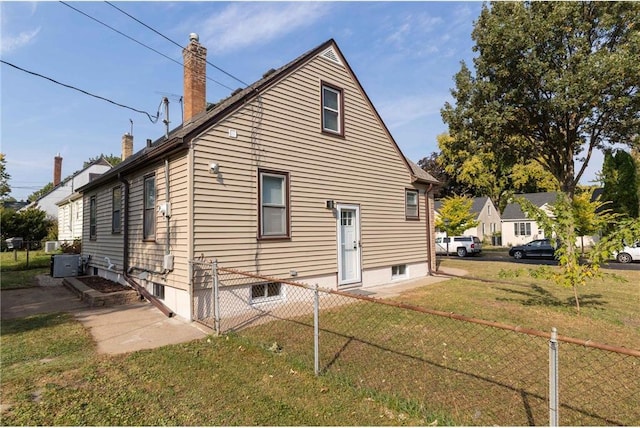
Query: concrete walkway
115,329
133,327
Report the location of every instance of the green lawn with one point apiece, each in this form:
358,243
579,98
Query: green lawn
51,375
381,365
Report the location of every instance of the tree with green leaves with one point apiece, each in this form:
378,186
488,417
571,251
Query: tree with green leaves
485,173
112,159
590,216
39,193
455,215
5,189
566,218
553,82
31,224
448,184
619,177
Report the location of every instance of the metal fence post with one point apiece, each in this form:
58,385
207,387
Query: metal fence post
316,331
553,378
216,297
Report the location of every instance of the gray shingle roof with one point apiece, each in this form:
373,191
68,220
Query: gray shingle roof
476,206
513,211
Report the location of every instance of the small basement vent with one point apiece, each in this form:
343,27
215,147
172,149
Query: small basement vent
331,55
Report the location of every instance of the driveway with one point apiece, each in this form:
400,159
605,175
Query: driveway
115,329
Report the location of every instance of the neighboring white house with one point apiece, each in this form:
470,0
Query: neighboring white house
519,229
487,215
70,218
64,188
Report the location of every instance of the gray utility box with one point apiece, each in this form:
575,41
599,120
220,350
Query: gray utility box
63,265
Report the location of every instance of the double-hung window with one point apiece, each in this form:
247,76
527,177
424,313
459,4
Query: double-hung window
116,209
273,211
149,217
411,205
93,218
522,229
332,109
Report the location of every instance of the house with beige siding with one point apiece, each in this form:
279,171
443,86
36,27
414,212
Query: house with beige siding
487,216
295,176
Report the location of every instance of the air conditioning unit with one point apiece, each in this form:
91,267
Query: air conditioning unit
65,265
50,246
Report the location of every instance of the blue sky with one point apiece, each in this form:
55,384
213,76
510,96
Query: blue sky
405,55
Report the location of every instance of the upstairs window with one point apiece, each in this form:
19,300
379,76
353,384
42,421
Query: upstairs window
411,205
274,204
332,110
149,232
93,218
116,208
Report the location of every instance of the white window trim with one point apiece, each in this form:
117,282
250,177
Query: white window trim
406,204
337,110
266,299
284,177
397,276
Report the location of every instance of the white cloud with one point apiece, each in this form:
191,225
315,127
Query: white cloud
401,111
241,24
12,43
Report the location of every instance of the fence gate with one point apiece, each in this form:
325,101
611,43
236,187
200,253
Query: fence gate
204,292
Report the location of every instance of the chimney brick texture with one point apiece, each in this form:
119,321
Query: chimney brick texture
57,170
195,90
127,146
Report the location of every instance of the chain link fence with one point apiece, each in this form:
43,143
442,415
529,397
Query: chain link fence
470,371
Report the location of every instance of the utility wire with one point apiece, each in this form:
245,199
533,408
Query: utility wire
151,118
174,42
136,41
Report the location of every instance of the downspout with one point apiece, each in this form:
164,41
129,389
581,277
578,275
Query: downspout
167,248
427,215
125,225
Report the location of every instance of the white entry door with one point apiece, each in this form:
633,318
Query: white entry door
349,271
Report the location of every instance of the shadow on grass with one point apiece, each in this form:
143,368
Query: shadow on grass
538,296
35,322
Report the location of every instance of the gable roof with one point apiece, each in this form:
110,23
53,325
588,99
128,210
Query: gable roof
100,161
513,211
476,206
179,138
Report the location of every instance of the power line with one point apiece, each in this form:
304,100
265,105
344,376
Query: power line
151,118
136,41
174,42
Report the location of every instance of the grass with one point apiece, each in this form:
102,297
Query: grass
381,365
608,306
480,375
12,261
51,375
14,270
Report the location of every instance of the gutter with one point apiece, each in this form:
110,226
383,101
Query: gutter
427,215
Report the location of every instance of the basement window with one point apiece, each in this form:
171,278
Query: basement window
158,290
398,271
266,292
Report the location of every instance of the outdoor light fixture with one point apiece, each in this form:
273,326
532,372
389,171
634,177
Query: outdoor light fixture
331,204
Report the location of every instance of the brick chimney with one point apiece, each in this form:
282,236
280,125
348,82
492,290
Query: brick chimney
195,89
57,170
127,145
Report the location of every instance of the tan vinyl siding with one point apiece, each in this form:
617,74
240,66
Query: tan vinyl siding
149,254
363,168
106,244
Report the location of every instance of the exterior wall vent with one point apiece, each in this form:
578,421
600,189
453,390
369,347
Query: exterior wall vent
331,55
